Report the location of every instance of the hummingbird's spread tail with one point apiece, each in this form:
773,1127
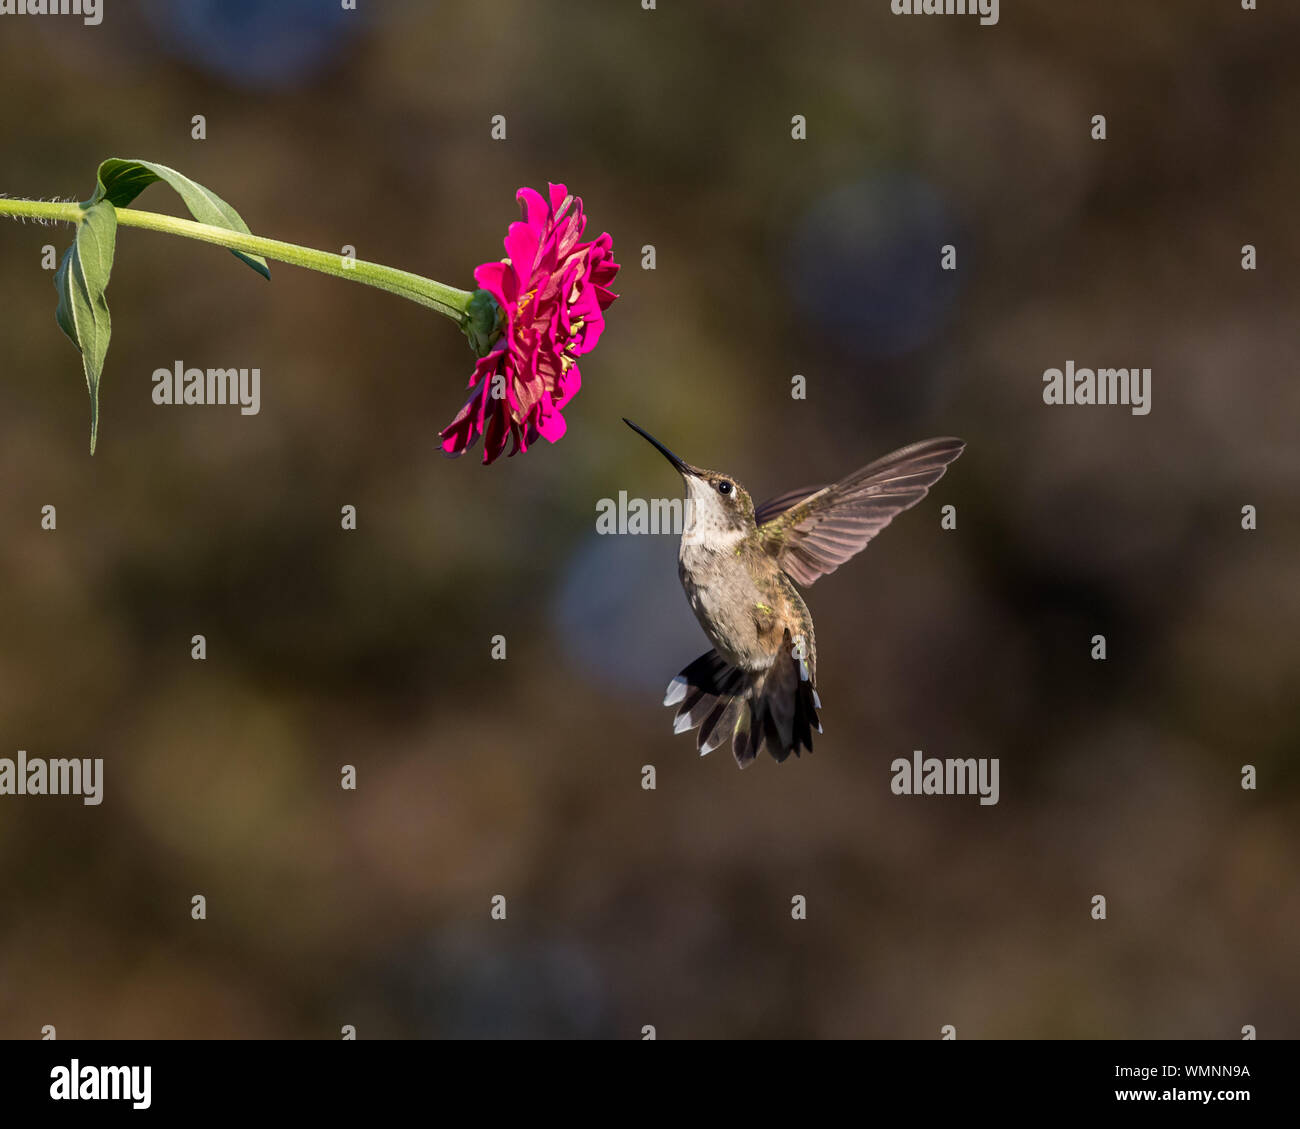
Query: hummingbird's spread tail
774,708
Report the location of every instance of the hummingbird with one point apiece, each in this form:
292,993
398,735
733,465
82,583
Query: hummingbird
739,564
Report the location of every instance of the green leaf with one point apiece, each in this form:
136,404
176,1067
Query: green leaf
81,280
121,181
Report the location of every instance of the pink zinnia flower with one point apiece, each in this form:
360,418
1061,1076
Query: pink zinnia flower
551,293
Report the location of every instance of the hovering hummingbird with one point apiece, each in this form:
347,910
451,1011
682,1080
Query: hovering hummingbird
739,564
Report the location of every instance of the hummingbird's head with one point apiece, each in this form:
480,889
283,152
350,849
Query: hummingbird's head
719,505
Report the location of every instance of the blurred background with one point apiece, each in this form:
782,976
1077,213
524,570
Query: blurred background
522,777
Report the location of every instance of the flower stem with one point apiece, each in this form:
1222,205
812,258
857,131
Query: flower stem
447,300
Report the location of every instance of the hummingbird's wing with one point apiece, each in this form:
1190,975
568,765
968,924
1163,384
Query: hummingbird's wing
774,507
811,533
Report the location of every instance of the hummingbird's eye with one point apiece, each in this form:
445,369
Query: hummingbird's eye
724,487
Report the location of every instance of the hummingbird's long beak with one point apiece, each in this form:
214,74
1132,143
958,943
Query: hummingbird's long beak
684,468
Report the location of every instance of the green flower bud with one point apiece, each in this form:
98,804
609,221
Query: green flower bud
484,322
